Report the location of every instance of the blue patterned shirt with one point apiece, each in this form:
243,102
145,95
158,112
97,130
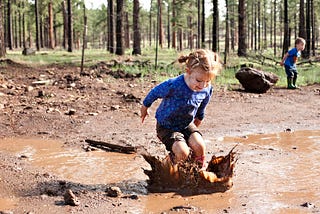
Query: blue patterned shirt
179,105
290,59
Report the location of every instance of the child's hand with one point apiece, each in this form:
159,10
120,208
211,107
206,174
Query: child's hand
281,63
144,112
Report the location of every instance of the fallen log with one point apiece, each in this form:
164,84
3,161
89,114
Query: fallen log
112,147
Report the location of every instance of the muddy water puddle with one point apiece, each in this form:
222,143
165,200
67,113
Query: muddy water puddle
275,173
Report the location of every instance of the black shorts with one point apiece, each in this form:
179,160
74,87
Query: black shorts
169,137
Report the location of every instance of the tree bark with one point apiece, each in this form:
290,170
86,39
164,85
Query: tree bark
136,28
51,35
308,30
174,31
37,25
110,27
9,25
215,26
203,25
286,36
119,28
160,24
70,26
65,24
227,38
2,39
242,46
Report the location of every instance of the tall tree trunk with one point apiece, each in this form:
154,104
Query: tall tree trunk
302,26
15,26
2,39
9,25
168,26
126,30
255,25
84,36
308,30
232,26
136,28
242,46
313,29
23,26
215,26
199,23
110,44
41,29
119,28
274,27
150,25
259,24
226,47
65,24
161,34
51,35
203,25
36,6
70,26
174,30
286,36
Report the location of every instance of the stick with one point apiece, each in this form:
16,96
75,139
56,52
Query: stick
112,147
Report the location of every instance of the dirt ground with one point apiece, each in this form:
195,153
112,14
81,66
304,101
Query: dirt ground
57,102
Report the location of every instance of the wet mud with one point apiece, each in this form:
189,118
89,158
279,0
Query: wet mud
275,173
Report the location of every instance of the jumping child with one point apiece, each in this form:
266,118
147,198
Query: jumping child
182,109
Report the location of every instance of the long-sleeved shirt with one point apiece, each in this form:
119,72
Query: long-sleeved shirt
179,105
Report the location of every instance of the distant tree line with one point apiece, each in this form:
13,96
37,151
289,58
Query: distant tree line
237,26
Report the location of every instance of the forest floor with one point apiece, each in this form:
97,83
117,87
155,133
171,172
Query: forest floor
58,103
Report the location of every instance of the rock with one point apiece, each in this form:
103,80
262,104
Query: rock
114,192
256,81
70,198
28,51
71,112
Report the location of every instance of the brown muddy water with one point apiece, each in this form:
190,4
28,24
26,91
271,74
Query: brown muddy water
275,173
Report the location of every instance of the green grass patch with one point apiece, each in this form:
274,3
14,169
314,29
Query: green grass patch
167,65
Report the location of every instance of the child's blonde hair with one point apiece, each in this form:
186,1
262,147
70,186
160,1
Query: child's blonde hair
300,40
209,61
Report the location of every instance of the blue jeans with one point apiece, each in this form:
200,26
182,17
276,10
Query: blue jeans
291,71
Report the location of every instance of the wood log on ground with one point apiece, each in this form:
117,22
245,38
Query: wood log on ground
112,147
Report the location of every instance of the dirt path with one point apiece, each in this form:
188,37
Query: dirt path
70,107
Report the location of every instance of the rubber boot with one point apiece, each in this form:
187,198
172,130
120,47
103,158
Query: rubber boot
290,86
294,80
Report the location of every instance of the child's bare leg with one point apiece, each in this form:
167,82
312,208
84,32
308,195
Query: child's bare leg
181,151
198,146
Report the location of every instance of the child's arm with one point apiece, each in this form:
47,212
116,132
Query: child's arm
284,59
197,122
157,92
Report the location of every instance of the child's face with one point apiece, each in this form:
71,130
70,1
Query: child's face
300,46
197,79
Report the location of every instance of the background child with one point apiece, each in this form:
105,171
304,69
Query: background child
289,61
184,99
